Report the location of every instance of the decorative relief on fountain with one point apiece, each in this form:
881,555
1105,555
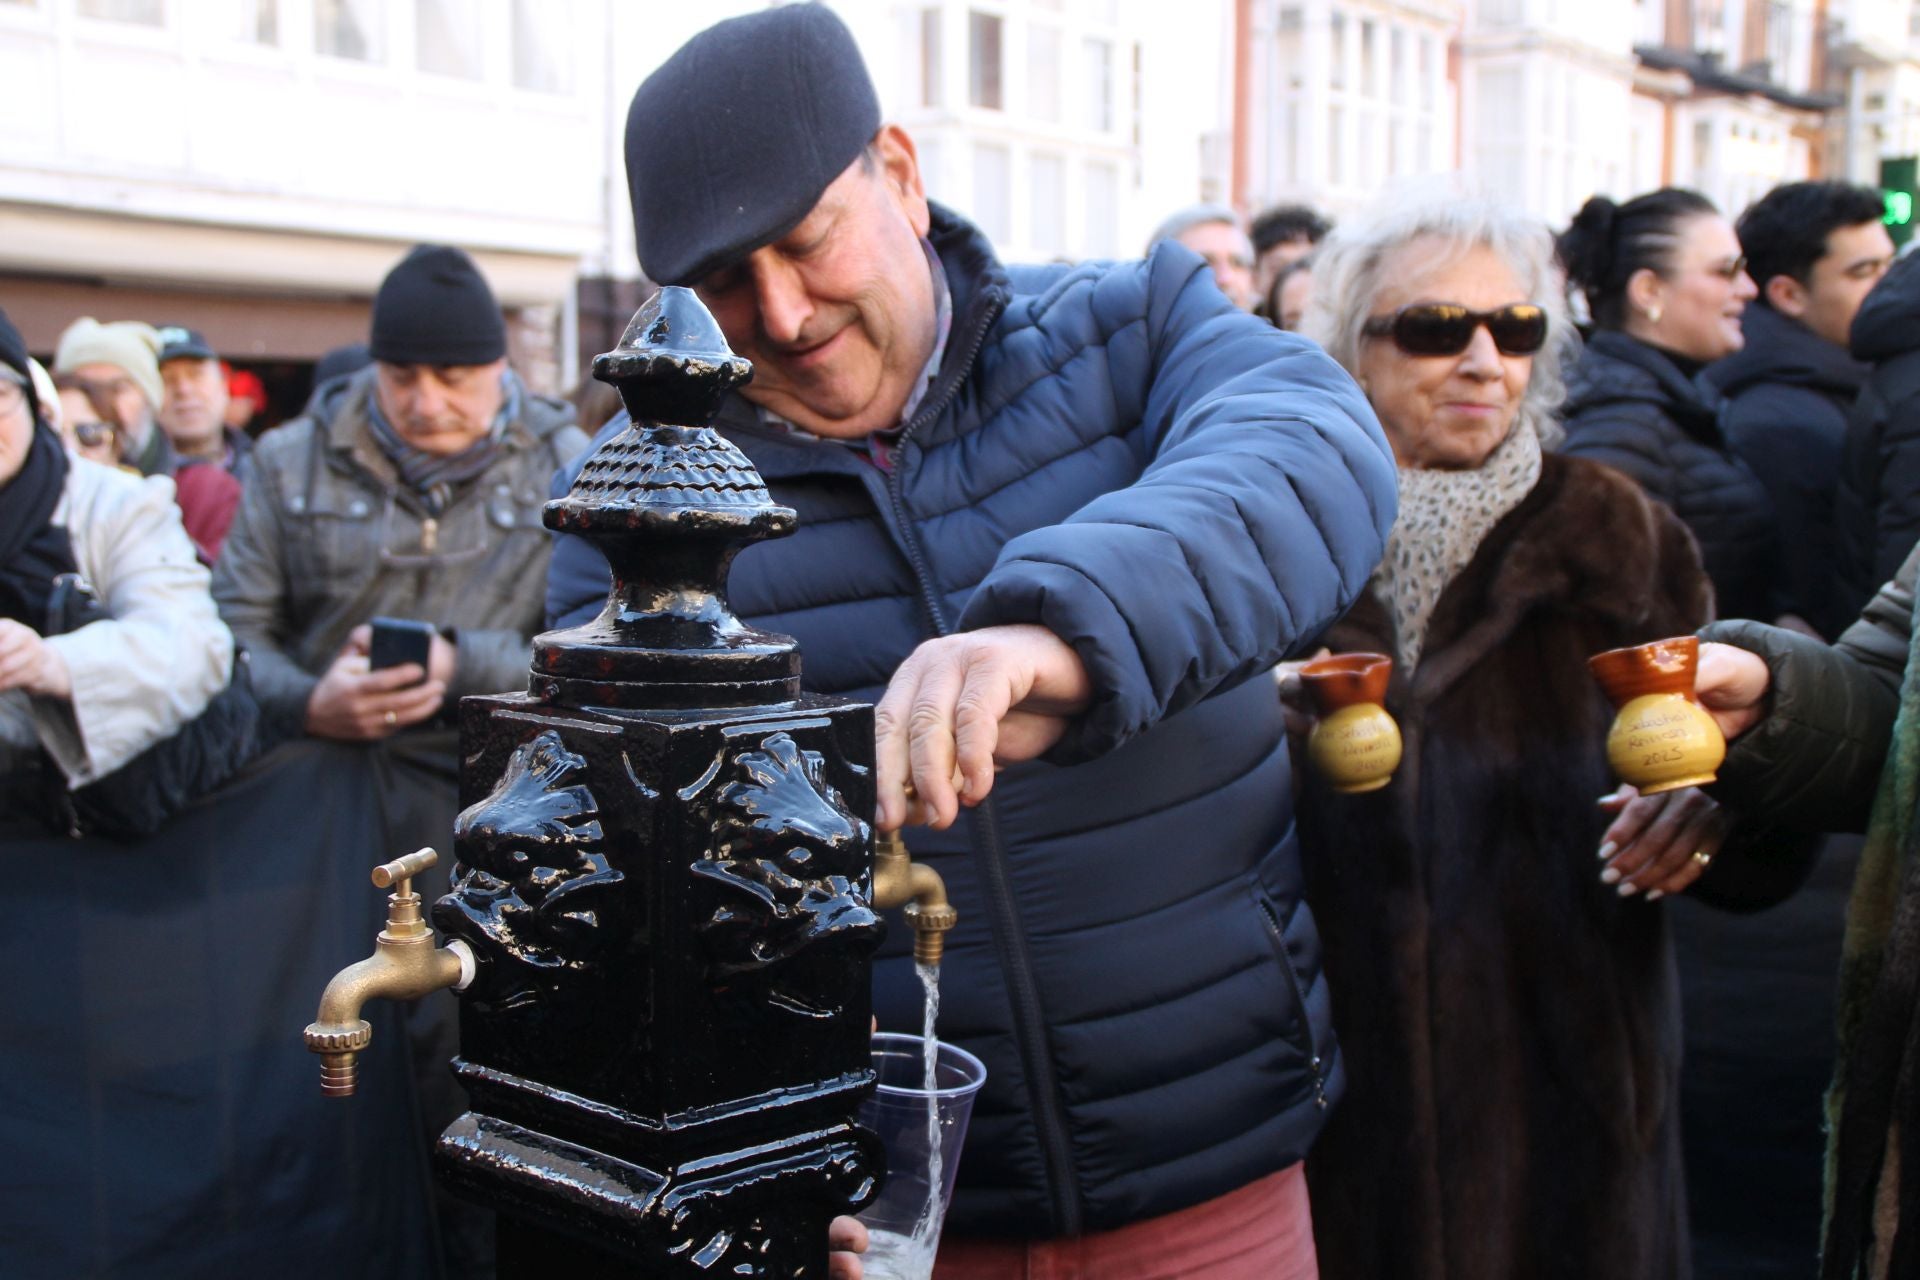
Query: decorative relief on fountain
533,886
789,856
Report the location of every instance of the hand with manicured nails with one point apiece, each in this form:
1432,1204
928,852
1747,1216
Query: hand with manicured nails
1659,844
962,705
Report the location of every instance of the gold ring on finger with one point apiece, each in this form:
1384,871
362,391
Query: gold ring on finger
1702,857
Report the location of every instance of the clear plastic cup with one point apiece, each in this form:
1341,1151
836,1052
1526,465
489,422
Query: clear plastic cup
904,1220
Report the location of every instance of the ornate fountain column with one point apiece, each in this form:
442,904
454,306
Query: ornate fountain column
663,872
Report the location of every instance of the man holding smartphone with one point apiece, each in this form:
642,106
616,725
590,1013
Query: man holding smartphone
410,492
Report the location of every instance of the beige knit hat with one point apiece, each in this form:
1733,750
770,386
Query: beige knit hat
129,344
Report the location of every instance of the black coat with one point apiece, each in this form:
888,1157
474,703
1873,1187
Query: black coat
1788,393
1511,1024
1630,406
1879,501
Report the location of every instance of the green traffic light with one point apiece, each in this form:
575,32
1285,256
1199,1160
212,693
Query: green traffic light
1899,208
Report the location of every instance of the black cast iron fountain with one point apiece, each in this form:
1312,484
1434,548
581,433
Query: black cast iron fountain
663,887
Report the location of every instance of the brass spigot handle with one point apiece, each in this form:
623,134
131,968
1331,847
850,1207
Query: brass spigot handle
401,870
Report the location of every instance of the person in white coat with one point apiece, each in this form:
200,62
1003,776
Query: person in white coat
95,698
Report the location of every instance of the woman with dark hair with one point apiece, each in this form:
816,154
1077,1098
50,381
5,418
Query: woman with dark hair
1665,283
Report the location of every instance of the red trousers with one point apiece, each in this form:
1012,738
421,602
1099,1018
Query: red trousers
1263,1231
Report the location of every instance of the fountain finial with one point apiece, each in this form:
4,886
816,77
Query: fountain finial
670,502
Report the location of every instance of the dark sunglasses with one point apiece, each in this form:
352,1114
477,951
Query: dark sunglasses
1445,328
92,434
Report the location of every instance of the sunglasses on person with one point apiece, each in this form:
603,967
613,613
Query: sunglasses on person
92,435
1445,328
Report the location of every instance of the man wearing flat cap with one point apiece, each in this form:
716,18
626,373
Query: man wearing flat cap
1059,521
194,413
411,490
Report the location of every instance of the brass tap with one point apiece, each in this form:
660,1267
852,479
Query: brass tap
900,881
405,965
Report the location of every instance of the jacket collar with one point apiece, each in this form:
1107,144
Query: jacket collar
1781,350
1617,368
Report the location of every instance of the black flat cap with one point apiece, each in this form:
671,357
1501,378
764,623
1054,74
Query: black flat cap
178,341
731,141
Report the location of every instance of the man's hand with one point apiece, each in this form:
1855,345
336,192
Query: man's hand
846,1241
1731,684
1660,844
1295,705
962,704
355,704
30,663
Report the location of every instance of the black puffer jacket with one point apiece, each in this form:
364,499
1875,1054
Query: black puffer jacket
1630,406
1788,392
1878,508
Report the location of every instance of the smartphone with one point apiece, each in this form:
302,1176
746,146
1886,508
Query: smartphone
398,641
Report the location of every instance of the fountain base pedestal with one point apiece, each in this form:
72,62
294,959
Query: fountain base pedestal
747,1214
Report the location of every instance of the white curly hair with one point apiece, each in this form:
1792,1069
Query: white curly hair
1349,270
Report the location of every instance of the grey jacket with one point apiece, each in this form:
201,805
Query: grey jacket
326,538
1814,762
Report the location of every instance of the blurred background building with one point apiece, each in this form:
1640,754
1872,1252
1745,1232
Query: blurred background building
252,167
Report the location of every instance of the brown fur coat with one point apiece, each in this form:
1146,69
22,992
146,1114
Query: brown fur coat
1510,1024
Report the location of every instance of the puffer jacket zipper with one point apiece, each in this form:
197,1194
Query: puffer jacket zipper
1270,910
1009,937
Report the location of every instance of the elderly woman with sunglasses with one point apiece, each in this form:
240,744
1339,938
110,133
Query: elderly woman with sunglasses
1508,1017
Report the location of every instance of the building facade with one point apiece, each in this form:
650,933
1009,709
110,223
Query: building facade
253,167
1545,102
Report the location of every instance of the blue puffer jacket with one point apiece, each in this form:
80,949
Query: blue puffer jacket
1186,495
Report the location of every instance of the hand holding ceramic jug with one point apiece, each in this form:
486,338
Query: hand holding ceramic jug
1663,739
1732,684
1355,745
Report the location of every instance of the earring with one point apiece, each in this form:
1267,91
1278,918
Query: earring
1653,315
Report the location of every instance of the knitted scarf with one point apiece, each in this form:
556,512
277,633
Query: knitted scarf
1444,516
33,549
434,477
1873,1145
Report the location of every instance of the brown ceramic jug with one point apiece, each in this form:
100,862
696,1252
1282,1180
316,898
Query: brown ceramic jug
1355,745
1662,739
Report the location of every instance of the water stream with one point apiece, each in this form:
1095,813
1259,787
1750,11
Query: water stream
891,1256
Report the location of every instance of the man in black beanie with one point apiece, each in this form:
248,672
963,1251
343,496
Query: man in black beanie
1059,521
410,490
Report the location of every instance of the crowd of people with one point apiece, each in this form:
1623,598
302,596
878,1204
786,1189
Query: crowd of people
1068,527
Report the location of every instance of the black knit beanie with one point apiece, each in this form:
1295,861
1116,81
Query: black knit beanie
13,354
731,141
434,307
